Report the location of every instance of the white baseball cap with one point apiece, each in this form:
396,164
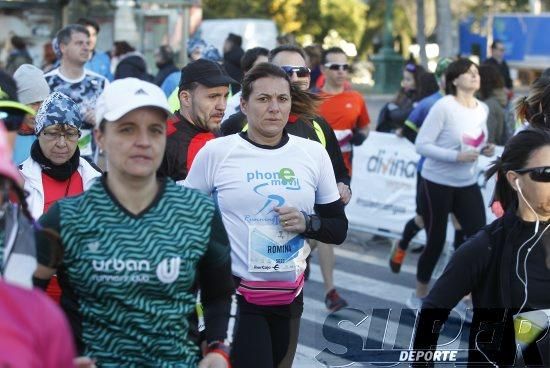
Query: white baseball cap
124,95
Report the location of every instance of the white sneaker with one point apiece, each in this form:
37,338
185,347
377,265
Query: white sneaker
414,302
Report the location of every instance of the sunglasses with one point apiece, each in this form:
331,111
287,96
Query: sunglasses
12,121
336,66
301,71
540,174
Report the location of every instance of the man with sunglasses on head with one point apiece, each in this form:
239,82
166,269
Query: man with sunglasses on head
292,60
344,109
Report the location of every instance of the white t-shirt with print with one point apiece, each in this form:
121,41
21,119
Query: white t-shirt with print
247,182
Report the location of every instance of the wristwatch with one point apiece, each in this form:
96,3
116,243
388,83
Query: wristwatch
313,223
222,349
218,345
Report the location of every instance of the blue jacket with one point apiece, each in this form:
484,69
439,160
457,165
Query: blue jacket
100,63
171,82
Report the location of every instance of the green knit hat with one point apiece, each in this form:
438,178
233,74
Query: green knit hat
441,67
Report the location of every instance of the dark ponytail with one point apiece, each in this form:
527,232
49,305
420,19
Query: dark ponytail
20,193
503,193
516,153
535,107
522,109
304,104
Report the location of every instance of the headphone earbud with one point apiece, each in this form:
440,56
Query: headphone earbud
518,187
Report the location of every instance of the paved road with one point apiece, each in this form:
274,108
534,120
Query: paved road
364,279
356,260
374,105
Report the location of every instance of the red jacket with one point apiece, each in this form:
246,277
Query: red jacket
183,143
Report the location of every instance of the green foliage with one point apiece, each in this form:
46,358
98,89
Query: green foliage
517,5
348,18
300,17
356,21
345,17
482,8
236,9
286,15
373,29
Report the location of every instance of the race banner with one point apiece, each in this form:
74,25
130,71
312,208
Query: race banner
384,186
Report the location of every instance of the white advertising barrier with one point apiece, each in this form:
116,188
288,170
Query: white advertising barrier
384,186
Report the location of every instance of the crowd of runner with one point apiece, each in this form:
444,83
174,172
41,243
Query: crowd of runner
170,219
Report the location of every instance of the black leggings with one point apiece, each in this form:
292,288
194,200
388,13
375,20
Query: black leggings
438,202
266,336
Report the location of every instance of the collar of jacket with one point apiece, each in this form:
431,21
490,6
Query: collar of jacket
177,119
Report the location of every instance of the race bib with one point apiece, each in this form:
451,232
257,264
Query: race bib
344,137
271,249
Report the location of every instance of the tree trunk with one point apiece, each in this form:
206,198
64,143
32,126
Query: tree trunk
420,35
444,28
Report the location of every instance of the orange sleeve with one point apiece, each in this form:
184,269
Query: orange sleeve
364,119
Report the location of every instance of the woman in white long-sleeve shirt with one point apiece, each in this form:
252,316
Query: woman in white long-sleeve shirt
452,137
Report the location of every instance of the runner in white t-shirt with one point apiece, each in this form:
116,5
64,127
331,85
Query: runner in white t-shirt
273,190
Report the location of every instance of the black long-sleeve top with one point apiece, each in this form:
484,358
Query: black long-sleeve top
486,266
503,69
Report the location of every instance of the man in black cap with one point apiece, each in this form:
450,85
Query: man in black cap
232,55
203,91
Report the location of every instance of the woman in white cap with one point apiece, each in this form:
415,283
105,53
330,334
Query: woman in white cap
134,247
32,90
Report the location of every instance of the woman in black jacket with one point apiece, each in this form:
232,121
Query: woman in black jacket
393,114
131,64
506,266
